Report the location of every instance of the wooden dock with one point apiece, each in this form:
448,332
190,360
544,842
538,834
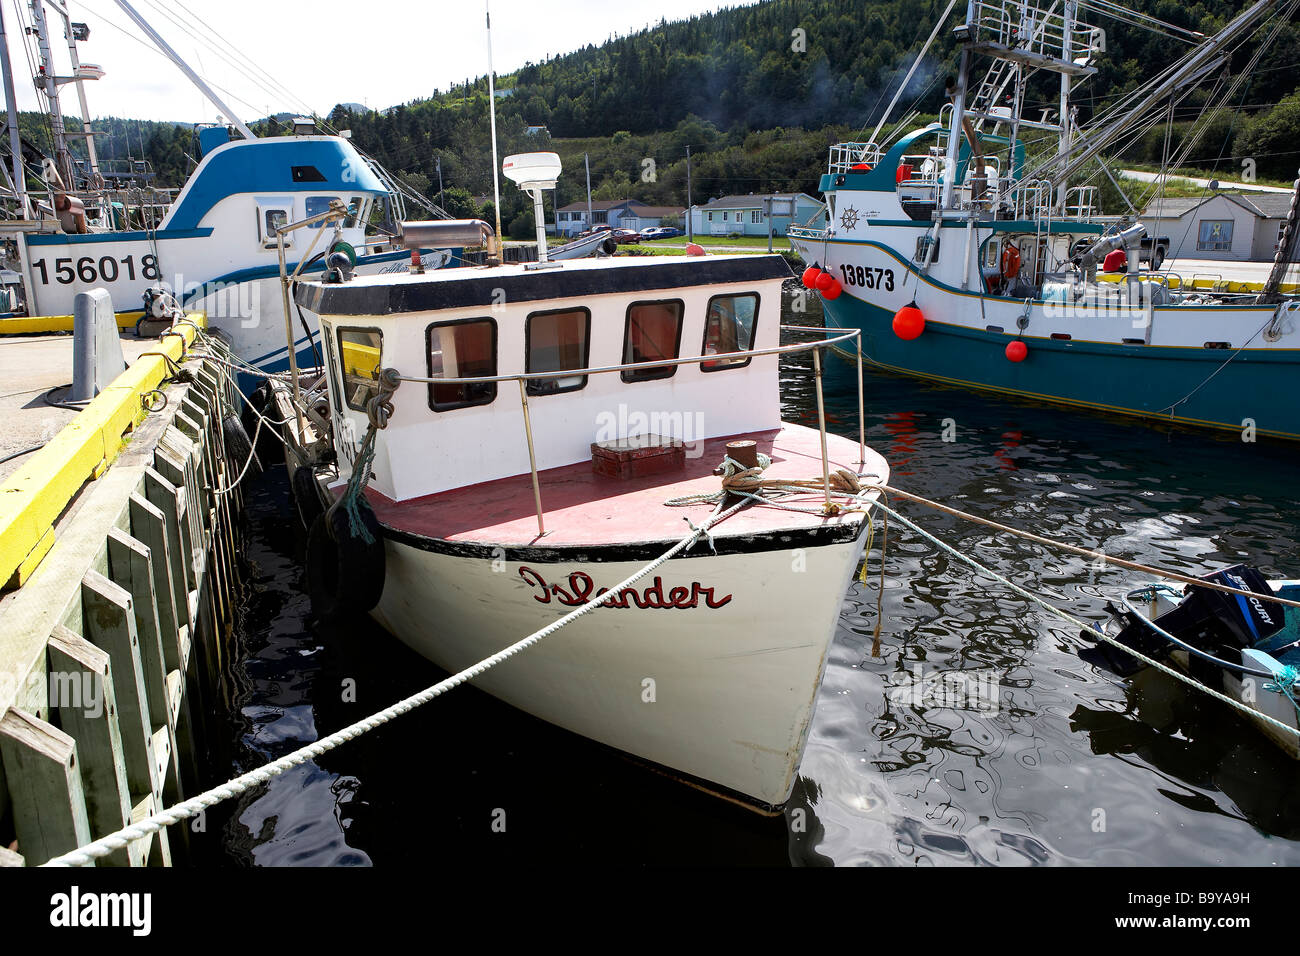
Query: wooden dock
120,552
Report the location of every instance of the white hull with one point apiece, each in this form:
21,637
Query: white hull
724,694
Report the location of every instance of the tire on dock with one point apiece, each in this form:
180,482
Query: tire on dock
345,573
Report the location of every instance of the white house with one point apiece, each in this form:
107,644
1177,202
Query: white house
1220,226
748,215
616,213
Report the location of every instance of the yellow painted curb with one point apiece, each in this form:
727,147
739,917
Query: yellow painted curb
34,496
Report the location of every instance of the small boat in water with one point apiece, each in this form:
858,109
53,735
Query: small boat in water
1245,647
532,435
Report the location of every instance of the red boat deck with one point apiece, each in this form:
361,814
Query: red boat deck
583,508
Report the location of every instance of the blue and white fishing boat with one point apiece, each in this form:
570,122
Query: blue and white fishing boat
969,254
214,246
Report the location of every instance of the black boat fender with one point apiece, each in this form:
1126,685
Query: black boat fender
345,572
260,405
306,496
238,448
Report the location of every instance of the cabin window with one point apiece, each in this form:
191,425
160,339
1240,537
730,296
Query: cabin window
317,205
270,220
729,327
465,348
557,341
307,174
359,353
654,331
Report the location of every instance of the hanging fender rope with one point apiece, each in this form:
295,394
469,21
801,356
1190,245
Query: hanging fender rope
86,855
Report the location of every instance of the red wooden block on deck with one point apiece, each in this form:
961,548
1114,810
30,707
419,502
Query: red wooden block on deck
637,457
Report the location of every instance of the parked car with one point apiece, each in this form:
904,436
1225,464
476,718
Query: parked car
659,232
625,235
602,227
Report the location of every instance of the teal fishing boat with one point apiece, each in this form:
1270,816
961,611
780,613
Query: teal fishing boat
967,254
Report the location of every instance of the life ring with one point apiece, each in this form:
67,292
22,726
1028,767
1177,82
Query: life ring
1010,261
345,574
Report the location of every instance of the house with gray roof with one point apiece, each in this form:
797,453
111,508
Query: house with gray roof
748,215
1220,225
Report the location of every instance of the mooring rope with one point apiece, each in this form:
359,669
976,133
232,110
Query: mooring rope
1085,626
85,855
1082,552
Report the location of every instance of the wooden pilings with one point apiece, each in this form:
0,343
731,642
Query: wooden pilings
112,651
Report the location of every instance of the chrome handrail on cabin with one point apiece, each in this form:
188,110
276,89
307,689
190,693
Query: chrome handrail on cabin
815,347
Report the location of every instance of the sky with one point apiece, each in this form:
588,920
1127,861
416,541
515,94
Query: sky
321,53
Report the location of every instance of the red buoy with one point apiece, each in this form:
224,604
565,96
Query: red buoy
824,281
1017,351
909,322
903,173
695,249
810,277
833,290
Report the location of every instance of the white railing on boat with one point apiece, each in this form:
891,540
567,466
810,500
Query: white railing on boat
850,157
1026,28
840,336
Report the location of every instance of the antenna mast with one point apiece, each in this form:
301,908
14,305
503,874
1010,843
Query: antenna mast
492,107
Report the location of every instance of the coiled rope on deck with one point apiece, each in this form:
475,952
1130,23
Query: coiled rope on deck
86,855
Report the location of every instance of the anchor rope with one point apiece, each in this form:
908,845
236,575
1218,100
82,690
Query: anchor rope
86,855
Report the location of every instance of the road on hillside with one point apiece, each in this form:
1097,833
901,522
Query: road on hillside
1146,177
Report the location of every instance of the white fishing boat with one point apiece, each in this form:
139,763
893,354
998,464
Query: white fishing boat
535,434
214,245
971,251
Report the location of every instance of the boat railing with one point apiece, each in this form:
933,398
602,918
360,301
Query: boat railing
852,157
1033,199
1023,26
839,337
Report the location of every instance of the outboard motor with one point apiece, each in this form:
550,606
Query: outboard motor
1215,622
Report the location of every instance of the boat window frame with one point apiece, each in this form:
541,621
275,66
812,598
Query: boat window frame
428,363
528,352
343,379
753,335
333,364
651,374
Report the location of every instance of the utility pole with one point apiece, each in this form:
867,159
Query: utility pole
767,207
690,207
587,161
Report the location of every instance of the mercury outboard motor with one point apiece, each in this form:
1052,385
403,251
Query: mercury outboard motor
1215,622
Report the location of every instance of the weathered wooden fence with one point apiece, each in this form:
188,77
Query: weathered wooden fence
111,651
